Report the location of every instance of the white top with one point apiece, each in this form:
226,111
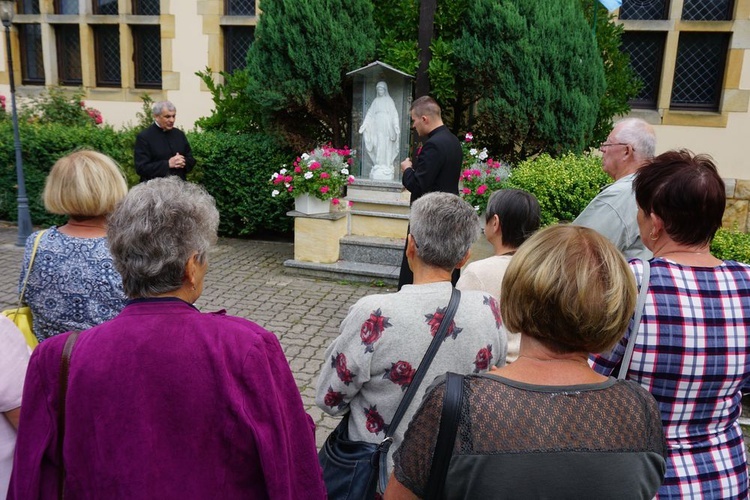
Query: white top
486,275
14,358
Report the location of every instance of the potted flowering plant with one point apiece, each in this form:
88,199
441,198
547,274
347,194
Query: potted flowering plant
319,175
480,174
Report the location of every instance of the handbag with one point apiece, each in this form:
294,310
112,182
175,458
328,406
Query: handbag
639,306
357,469
64,372
452,401
21,315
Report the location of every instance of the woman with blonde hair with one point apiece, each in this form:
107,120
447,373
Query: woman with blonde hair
547,425
72,284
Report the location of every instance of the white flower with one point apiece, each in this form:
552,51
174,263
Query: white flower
483,155
275,175
275,193
305,156
286,184
476,208
282,171
345,171
473,151
308,175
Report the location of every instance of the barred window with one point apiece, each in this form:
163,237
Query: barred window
239,7
68,41
107,52
237,41
32,62
644,9
147,56
146,7
707,10
699,70
105,7
27,6
646,51
69,7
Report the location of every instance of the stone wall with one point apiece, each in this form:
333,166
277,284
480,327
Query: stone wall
737,214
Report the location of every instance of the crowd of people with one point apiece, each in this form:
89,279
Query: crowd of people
602,358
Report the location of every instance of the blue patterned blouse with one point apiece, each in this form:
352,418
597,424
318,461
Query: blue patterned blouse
73,284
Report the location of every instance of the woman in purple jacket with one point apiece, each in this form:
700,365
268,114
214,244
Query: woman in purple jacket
164,401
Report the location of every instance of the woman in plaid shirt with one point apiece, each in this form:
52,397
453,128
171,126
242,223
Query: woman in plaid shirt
693,346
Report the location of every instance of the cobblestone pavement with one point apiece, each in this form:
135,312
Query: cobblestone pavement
248,279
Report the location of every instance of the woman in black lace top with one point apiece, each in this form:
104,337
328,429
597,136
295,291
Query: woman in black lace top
547,425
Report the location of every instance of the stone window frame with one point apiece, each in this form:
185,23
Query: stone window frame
214,23
732,98
127,90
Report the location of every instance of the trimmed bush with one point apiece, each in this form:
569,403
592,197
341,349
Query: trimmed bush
235,169
731,245
563,186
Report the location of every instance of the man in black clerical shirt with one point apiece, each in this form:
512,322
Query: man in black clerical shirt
161,149
438,163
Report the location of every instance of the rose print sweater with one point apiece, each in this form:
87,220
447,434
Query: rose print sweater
369,366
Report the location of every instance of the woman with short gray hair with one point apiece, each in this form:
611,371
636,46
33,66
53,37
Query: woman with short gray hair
164,401
382,340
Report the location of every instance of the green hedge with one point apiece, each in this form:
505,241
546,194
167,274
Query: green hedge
563,186
731,245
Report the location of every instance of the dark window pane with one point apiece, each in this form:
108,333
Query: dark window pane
699,70
66,6
147,48
237,41
707,10
105,7
146,7
68,54
239,7
644,9
646,51
107,51
32,63
27,6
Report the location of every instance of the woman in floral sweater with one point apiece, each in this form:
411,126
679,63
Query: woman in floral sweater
369,366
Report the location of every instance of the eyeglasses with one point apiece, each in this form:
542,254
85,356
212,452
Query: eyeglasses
608,144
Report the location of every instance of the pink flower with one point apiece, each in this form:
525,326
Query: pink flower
324,189
288,178
290,189
324,175
350,203
314,165
335,201
469,137
297,170
466,191
350,161
350,179
481,189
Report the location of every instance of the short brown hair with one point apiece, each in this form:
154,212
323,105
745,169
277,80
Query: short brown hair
426,106
84,183
686,192
570,288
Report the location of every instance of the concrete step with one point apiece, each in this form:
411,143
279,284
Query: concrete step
347,271
372,250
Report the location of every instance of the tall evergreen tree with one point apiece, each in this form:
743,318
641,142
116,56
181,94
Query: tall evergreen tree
534,73
298,62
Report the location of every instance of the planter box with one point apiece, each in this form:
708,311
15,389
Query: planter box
308,204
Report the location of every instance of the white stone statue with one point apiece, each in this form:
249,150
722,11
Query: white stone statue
381,133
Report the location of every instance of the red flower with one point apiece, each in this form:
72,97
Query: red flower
314,165
400,373
339,362
325,175
375,422
495,308
324,189
482,361
372,329
435,319
466,191
481,189
333,398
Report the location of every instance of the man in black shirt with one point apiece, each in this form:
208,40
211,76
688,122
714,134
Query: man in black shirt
161,149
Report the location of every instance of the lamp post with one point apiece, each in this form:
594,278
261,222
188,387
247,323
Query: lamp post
24,217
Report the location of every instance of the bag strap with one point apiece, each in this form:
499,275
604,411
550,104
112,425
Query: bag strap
639,307
31,263
424,365
446,439
64,372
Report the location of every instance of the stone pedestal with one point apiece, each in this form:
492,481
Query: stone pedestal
316,237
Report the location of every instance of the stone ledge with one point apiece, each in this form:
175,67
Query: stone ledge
348,271
385,215
320,216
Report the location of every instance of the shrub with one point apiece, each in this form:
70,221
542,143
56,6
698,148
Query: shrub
235,169
63,108
731,245
563,186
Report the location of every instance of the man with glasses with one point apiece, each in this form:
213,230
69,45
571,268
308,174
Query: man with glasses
613,212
